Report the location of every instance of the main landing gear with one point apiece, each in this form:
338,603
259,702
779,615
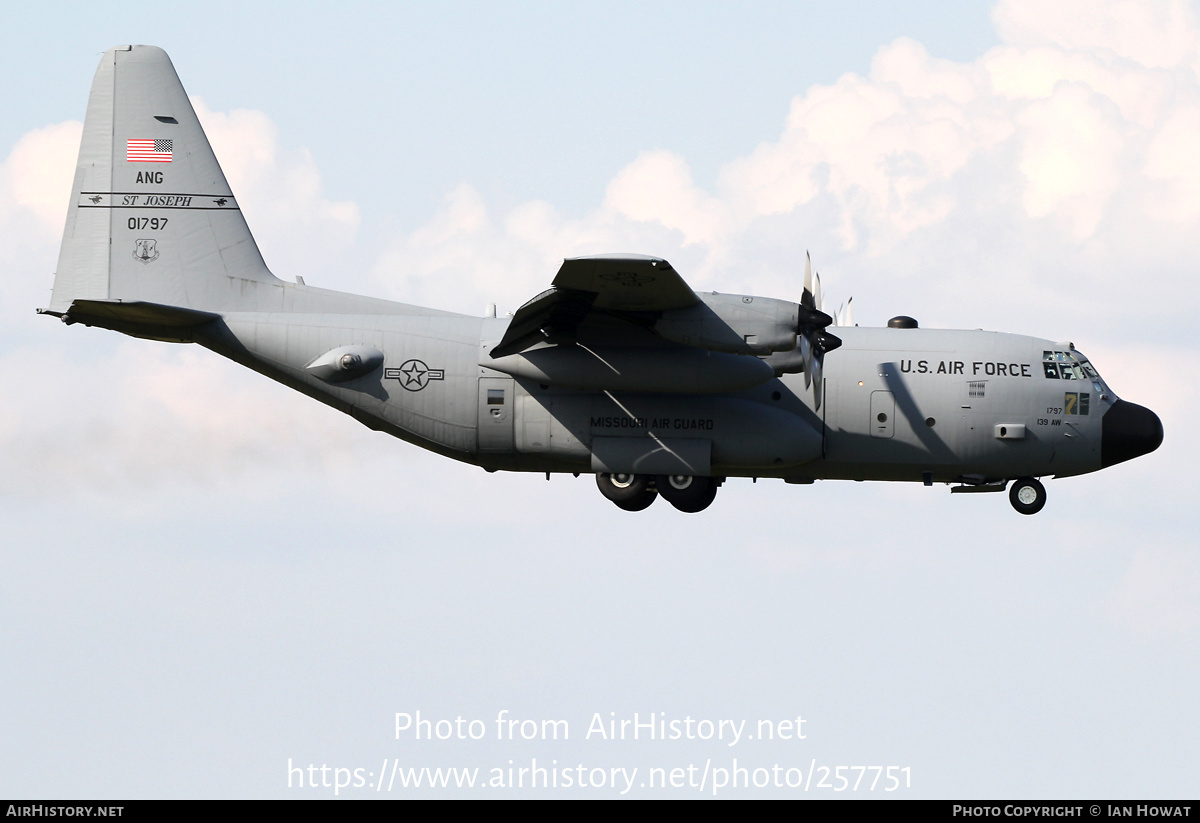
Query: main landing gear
634,492
1027,495
631,492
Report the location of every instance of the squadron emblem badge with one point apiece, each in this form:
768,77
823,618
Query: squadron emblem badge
145,251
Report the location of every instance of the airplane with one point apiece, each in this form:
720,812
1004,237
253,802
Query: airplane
619,369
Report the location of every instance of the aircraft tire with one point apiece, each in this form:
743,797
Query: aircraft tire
1027,495
688,494
631,492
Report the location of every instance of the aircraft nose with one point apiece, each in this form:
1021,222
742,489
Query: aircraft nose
1128,430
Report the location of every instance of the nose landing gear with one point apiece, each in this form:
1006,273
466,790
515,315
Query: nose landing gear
1027,495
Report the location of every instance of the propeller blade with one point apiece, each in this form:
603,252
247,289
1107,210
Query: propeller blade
817,370
810,315
806,353
806,299
849,312
811,322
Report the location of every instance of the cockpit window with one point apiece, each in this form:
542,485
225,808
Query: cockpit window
1067,365
1071,365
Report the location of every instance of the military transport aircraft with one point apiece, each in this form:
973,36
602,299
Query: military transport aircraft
619,369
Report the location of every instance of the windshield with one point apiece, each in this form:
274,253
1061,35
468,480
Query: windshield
1071,365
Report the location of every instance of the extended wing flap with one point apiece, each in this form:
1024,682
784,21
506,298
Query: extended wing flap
609,283
552,315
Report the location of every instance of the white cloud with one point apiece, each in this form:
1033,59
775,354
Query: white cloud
35,186
1070,158
658,187
1067,145
1030,73
1161,33
1172,161
449,262
146,415
466,257
883,147
38,171
298,230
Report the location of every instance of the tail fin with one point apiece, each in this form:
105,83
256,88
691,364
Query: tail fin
152,219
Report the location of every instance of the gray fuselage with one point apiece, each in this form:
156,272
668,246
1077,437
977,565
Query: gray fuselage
898,403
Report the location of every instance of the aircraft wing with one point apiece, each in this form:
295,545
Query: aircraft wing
627,282
607,283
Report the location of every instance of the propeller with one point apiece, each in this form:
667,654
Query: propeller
811,323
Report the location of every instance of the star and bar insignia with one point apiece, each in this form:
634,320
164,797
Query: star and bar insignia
414,375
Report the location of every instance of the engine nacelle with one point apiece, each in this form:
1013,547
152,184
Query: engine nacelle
734,323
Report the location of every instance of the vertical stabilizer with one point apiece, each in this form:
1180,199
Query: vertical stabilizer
152,218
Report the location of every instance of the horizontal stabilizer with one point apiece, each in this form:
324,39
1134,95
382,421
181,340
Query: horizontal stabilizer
139,319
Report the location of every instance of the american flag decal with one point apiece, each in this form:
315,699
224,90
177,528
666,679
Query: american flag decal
148,151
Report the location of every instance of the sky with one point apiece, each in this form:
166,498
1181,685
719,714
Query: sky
209,583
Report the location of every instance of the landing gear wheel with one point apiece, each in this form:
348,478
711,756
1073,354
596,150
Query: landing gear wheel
1027,495
687,493
631,492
